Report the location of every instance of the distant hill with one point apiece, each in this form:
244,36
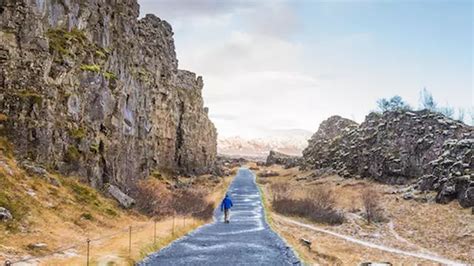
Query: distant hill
291,142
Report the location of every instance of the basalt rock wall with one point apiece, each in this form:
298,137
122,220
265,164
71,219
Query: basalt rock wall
88,89
399,147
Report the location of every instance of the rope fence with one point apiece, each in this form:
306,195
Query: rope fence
131,230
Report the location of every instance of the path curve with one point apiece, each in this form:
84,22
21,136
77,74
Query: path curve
247,240
368,244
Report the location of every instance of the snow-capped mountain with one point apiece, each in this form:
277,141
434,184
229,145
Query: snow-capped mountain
291,142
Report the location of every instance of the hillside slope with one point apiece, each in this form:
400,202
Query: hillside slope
47,212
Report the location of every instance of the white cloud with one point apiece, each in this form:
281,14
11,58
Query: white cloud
258,78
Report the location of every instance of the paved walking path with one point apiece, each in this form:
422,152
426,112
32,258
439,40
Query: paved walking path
247,240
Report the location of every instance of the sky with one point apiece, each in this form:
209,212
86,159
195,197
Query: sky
272,65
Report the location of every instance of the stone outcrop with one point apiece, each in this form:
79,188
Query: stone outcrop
124,200
5,214
287,161
88,89
399,147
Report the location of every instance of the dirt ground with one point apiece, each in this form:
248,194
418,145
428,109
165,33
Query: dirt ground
441,230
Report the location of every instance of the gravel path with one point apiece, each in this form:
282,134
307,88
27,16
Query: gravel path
246,240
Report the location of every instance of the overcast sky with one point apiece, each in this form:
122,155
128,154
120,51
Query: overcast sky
272,65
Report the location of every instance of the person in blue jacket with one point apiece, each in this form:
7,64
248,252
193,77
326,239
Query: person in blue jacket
225,207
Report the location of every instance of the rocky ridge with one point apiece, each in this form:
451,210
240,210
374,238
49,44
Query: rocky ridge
88,89
421,147
288,161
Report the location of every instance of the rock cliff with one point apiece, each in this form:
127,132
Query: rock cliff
288,161
87,88
399,147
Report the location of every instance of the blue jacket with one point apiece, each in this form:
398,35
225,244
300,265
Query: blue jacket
226,203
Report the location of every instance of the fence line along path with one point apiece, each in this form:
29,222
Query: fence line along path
247,239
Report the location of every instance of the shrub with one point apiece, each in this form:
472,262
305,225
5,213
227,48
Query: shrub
61,40
393,104
308,209
317,205
279,190
72,154
192,202
370,200
155,199
152,198
87,216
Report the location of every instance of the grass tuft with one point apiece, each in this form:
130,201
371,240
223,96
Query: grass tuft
90,68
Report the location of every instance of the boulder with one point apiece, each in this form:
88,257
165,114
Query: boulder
33,169
5,214
268,173
124,200
288,161
38,245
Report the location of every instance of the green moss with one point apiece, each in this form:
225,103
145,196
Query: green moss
87,216
101,54
84,194
110,75
94,148
72,154
142,74
61,40
31,96
13,202
111,212
91,68
77,133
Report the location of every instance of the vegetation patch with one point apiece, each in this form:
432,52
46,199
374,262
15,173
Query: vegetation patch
62,40
13,201
31,96
155,199
77,133
72,154
94,148
84,194
101,53
91,68
110,75
87,216
3,117
318,205
6,147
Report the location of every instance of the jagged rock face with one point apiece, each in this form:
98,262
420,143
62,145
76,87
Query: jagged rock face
397,147
287,161
89,89
452,172
320,147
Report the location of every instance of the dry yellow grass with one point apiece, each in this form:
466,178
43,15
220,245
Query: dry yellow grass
67,215
444,229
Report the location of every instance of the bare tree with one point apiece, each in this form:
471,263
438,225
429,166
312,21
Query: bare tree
370,199
279,190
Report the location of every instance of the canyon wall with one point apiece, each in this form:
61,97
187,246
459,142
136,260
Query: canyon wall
89,89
